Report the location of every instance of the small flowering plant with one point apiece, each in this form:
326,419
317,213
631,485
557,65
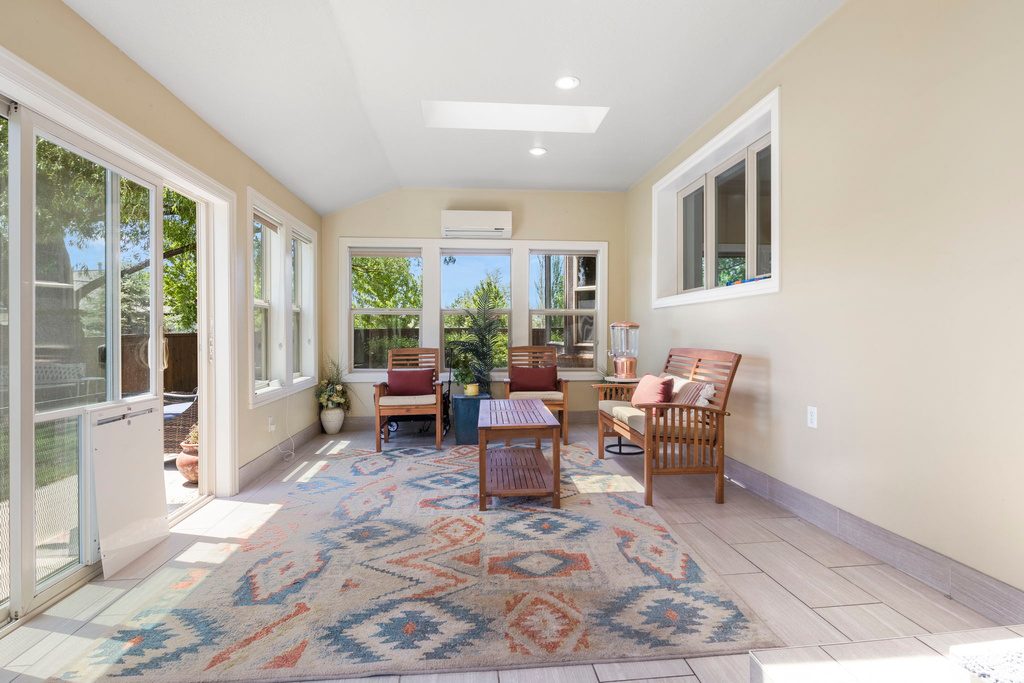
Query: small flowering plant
331,392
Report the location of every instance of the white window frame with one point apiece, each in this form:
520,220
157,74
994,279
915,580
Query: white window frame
757,128
431,331
282,378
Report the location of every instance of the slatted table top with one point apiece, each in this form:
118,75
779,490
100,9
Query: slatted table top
514,413
518,472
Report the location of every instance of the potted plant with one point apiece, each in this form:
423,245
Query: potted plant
475,353
464,376
332,395
188,459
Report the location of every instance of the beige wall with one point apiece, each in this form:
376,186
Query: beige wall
902,169
596,216
55,40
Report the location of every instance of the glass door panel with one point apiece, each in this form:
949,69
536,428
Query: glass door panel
135,204
57,497
71,279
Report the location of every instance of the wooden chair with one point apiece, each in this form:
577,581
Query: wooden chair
385,406
676,438
556,399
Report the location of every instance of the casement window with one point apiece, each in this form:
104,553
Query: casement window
283,302
716,216
563,295
386,303
398,292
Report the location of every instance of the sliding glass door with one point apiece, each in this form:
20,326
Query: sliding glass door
77,332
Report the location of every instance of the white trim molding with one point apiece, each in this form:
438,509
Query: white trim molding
760,121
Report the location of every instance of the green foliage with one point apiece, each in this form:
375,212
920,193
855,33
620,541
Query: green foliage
730,269
331,392
477,350
386,282
501,297
181,275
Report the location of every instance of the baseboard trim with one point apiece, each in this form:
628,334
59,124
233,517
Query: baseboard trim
255,468
998,601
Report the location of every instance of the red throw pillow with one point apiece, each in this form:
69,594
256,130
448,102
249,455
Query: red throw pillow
410,382
544,378
652,389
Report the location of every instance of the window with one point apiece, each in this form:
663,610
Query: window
563,298
404,293
465,276
387,303
264,233
715,216
283,302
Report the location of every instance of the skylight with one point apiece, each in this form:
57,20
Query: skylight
548,118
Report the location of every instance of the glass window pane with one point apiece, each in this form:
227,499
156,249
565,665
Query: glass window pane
71,270
691,213
5,461
571,335
181,290
586,271
764,211
547,281
135,208
295,272
375,335
465,276
260,318
730,225
56,501
297,343
258,245
456,327
387,282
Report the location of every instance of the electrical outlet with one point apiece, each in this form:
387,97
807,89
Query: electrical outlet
271,427
812,417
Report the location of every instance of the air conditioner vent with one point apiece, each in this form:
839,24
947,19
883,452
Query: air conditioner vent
476,224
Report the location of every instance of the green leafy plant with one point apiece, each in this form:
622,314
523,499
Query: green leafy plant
476,352
331,392
461,372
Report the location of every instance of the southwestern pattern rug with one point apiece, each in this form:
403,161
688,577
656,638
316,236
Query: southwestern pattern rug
377,563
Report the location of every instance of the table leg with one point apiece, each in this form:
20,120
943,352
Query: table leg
556,483
483,470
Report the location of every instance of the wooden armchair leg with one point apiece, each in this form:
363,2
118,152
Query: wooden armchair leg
600,439
720,478
565,425
438,429
376,419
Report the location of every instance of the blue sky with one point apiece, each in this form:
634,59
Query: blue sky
467,271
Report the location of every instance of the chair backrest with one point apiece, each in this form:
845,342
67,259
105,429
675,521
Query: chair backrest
415,359
531,356
708,366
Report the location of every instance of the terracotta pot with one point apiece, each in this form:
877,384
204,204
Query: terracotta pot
332,419
188,461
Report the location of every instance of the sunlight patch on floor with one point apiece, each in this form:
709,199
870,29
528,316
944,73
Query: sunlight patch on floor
334,447
605,483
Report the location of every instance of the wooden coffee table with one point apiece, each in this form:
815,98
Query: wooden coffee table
518,471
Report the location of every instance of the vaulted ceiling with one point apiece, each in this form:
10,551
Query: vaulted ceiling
327,95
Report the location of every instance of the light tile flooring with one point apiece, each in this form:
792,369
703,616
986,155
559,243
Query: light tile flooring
809,587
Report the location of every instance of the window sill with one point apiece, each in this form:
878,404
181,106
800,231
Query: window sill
374,376
269,394
768,286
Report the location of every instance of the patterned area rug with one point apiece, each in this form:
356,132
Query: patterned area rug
383,563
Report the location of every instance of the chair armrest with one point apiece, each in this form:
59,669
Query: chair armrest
614,392
380,389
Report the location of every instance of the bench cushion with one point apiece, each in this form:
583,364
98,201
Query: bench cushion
422,400
542,395
628,415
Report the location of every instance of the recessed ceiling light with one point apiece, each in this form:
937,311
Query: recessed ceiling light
567,83
538,151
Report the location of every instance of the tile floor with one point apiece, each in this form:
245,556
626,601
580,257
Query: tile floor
809,587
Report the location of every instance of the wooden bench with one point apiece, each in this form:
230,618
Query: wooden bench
676,438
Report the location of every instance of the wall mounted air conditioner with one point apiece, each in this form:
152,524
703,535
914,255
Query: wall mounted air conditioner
476,224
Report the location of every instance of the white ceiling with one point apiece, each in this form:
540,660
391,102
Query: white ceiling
326,94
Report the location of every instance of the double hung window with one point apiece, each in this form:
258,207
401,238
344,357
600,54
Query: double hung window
563,298
386,303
